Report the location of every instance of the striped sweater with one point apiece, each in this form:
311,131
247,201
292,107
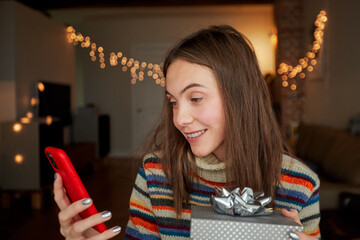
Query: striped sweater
152,212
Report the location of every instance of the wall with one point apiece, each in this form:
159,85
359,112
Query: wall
33,47
42,53
145,34
7,59
332,93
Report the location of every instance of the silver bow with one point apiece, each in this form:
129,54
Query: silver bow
248,203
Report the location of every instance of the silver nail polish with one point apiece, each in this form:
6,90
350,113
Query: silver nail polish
86,201
294,235
116,229
106,214
54,176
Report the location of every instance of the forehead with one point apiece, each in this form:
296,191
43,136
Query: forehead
182,73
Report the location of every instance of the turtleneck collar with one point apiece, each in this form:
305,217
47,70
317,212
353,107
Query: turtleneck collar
210,168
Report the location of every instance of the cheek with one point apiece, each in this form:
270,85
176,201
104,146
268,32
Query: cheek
214,117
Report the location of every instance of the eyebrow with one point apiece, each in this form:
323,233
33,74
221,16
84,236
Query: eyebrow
187,87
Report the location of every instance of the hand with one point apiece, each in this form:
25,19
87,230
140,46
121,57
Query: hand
294,215
72,226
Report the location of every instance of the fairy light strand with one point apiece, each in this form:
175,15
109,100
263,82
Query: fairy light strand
138,71
307,63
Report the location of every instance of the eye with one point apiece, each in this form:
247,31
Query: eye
173,103
195,100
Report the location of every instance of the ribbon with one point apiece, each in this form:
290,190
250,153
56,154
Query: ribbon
248,203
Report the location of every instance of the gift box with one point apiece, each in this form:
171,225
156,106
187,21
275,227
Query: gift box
207,224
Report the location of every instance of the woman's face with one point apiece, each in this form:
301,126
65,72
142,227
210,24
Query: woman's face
197,105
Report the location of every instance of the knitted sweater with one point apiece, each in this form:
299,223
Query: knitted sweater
152,212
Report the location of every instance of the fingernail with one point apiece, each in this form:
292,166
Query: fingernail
54,176
86,201
116,229
294,235
106,214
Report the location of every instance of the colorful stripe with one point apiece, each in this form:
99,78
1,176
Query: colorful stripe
152,212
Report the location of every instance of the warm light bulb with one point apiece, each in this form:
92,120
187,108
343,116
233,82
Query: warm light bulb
48,120
19,158
25,120
41,86
30,115
33,101
310,68
70,29
293,87
17,127
285,83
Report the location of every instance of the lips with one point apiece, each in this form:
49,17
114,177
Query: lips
195,134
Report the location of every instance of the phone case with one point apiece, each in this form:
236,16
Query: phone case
72,182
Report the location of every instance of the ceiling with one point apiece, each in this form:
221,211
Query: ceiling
44,6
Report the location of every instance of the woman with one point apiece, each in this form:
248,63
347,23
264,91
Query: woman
217,129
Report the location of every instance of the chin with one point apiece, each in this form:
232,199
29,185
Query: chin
200,153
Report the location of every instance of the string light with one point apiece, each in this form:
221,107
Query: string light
18,158
17,127
48,120
136,70
41,86
308,62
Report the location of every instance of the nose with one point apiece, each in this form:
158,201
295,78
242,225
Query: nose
182,115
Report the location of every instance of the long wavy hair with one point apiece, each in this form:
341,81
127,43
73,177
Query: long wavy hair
253,142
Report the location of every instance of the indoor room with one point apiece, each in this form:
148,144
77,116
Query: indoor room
87,77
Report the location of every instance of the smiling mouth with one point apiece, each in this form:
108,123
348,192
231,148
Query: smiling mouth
195,134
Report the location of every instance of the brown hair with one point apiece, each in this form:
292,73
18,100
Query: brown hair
253,142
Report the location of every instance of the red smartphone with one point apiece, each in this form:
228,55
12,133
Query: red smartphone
75,189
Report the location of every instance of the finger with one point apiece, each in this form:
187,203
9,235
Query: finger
81,226
60,196
301,236
67,214
107,234
291,213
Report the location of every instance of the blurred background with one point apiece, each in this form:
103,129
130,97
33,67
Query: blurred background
86,76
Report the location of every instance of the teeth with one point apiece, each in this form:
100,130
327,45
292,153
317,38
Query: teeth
195,134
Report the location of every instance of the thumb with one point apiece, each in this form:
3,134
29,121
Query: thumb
291,213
